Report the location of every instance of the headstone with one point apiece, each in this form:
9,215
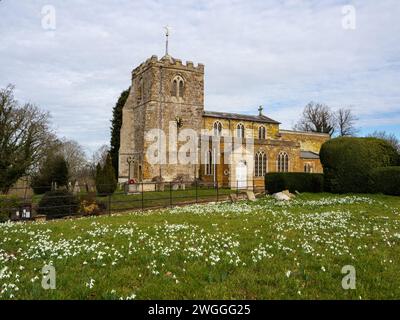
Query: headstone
40,218
281,196
250,196
175,186
233,197
290,195
77,189
133,188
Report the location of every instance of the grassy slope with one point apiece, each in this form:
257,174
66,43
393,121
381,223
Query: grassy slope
223,251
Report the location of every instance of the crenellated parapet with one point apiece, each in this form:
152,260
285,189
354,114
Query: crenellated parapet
169,62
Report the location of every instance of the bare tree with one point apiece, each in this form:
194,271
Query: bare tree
98,157
24,134
389,137
345,122
316,117
75,157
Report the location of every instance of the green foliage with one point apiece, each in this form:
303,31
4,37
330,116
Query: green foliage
58,203
348,163
106,183
8,206
116,124
89,205
387,180
294,181
55,169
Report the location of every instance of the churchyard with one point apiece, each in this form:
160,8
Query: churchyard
316,246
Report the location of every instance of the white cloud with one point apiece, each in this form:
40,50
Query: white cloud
281,54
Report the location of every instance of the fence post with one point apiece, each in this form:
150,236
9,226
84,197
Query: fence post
237,187
170,194
197,200
217,192
254,187
142,197
109,204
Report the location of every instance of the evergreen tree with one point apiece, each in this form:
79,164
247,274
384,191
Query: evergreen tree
106,183
116,124
53,170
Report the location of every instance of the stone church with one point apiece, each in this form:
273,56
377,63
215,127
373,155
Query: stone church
166,91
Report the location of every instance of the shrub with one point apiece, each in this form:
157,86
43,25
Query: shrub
387,180
348,163
55,169
106,183
89,205
294,181
58,203
8,206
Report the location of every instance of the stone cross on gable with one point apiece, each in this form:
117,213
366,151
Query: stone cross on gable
260,110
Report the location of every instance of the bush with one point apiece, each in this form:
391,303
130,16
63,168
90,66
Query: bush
54,169
296,181
348,163
58,203
8,206
106,183
387,180
89,205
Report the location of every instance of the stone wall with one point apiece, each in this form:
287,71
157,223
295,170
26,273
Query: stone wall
151,105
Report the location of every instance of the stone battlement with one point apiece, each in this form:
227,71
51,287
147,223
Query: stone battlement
167,61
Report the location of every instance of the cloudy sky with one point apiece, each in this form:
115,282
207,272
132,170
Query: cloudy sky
277,53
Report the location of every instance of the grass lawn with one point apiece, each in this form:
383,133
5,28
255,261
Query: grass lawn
260,250
120,201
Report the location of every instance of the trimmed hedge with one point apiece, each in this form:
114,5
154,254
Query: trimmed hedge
294,181
58,203
387,180
348,163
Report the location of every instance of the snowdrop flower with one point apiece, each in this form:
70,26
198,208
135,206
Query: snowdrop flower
90,284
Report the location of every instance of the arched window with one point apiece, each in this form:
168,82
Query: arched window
178,87
283,162
308,168
174,90
260,164
208,168
261,133
181,88
217,128
240,130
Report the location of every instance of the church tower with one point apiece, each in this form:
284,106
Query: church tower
163,90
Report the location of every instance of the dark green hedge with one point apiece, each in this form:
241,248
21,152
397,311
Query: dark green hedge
294,181
58,203
348,163
387,180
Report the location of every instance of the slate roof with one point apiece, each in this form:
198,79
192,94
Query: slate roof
237,116
309,155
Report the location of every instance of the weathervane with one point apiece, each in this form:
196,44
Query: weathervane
167,30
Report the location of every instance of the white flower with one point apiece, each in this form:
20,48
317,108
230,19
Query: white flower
288,273
90,284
